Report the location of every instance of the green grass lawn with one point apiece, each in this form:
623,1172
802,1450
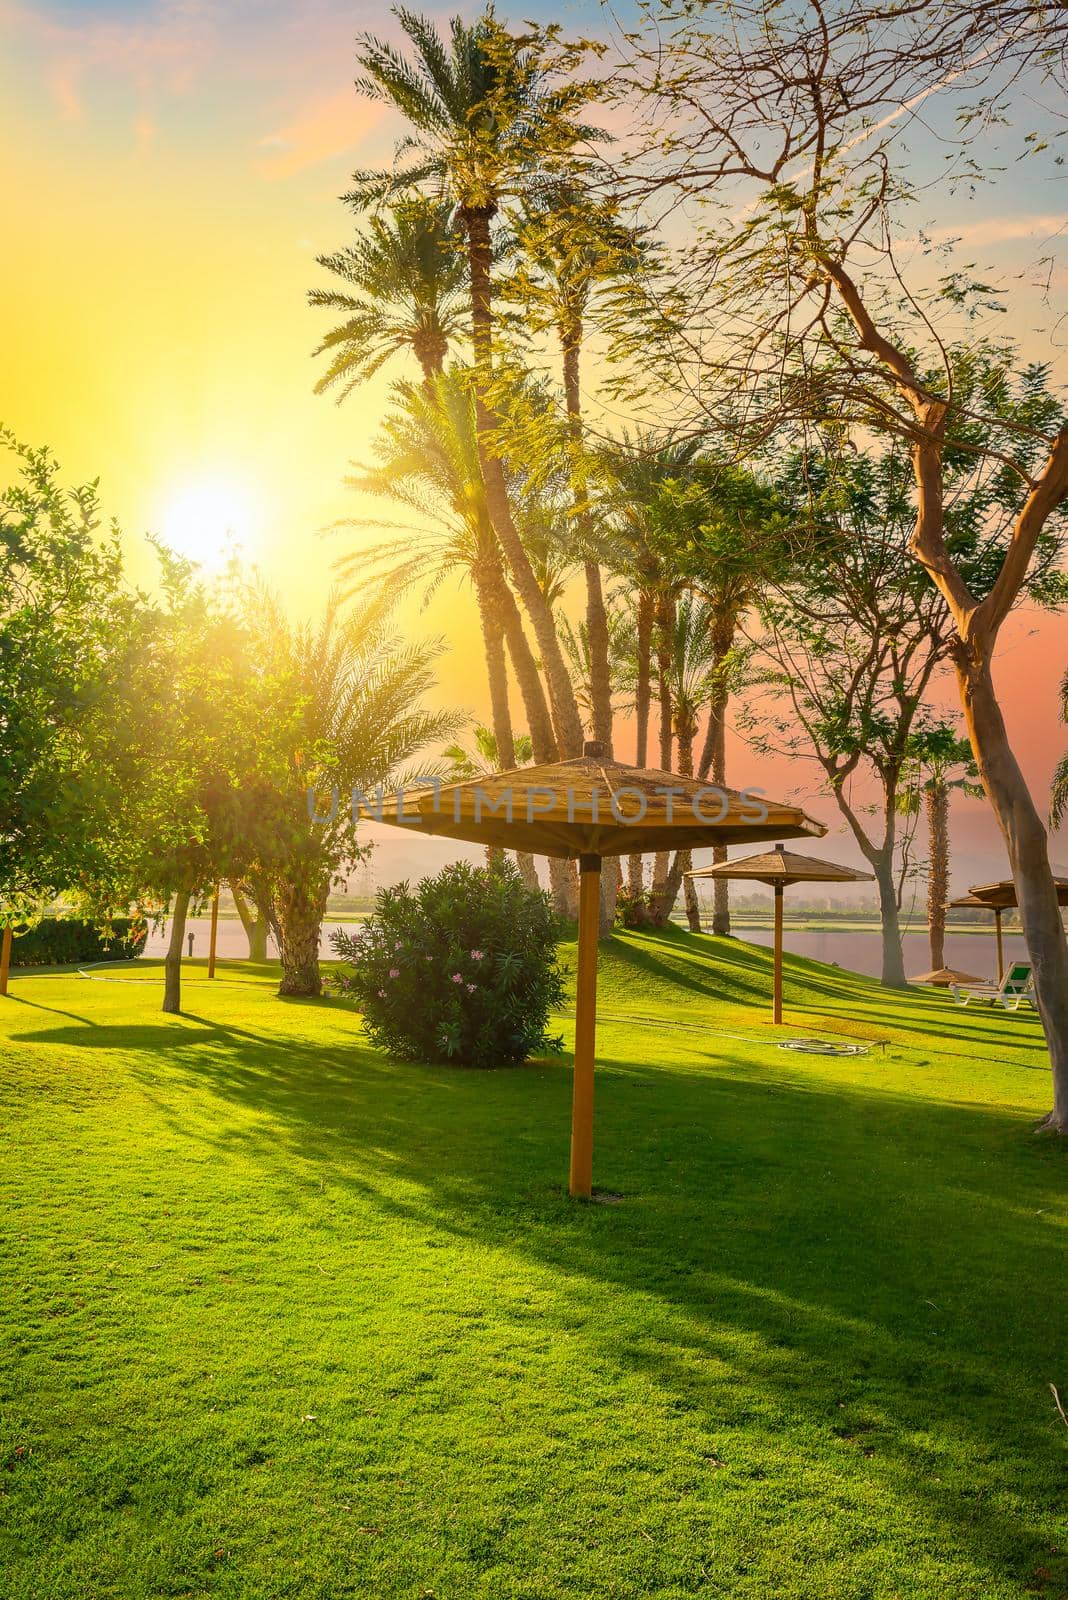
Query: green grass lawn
283,1318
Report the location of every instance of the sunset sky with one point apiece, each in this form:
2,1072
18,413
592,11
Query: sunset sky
169,173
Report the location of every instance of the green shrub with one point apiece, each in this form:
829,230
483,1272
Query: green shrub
66,941
461,968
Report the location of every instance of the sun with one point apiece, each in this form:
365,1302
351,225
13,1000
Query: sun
209,519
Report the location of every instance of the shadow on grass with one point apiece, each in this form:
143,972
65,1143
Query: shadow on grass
874,1270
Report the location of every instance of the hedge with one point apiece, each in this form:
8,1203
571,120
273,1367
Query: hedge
65,941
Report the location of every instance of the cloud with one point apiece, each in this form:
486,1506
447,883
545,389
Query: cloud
1003,230
324,128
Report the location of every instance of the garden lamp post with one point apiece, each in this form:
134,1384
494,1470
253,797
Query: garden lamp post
582,810
5,958
779,869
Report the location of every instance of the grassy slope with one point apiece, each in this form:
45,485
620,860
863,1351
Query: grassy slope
284,1319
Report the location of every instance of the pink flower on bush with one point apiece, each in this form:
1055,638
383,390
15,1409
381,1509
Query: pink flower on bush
381,994
471,988
428,958
397,946
457,977
394,972
476,955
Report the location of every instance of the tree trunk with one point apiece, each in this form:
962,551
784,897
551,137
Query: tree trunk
721,898
525,667
527,870
172,964
713,763
642,698
665,621
301,908
255,927
566,720
686,738
893,974
487,595
936,800
596,613
1026,843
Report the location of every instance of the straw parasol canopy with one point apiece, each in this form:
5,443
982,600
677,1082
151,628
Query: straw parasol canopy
942,977
972,902
587,808
780,868
999,897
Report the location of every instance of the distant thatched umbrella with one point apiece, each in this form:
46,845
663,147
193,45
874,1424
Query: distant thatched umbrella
942,977
999,897
779,868
588,808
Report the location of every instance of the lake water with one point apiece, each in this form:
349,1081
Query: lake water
858,950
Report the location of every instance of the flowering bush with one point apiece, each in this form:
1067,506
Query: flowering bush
461,968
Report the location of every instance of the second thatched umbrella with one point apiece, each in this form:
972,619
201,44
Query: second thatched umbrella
999,897
585,809
779,869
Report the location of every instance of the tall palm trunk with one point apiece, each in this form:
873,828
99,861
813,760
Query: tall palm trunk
686,733
642,699
713,762
566,720
936,801
563,880
596,611
301,907
664,622
489,581
172,964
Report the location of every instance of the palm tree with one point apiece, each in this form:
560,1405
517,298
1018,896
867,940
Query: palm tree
572,252
1058,805
485,128
941,763
349,700
644,536
429,463
405,276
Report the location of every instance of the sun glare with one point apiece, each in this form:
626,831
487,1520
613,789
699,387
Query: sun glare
209,520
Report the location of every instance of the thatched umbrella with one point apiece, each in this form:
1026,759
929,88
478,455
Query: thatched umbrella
585,809
779,868
999,897
942,977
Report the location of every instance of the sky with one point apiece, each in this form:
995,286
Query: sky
169,173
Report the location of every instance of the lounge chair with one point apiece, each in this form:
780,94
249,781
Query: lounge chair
1014,987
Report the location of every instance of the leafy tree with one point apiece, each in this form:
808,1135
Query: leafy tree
69,632
800,308
192,809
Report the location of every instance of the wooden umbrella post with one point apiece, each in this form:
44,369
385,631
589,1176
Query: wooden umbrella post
214,932
777,980
997,934
5,960
581,1184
